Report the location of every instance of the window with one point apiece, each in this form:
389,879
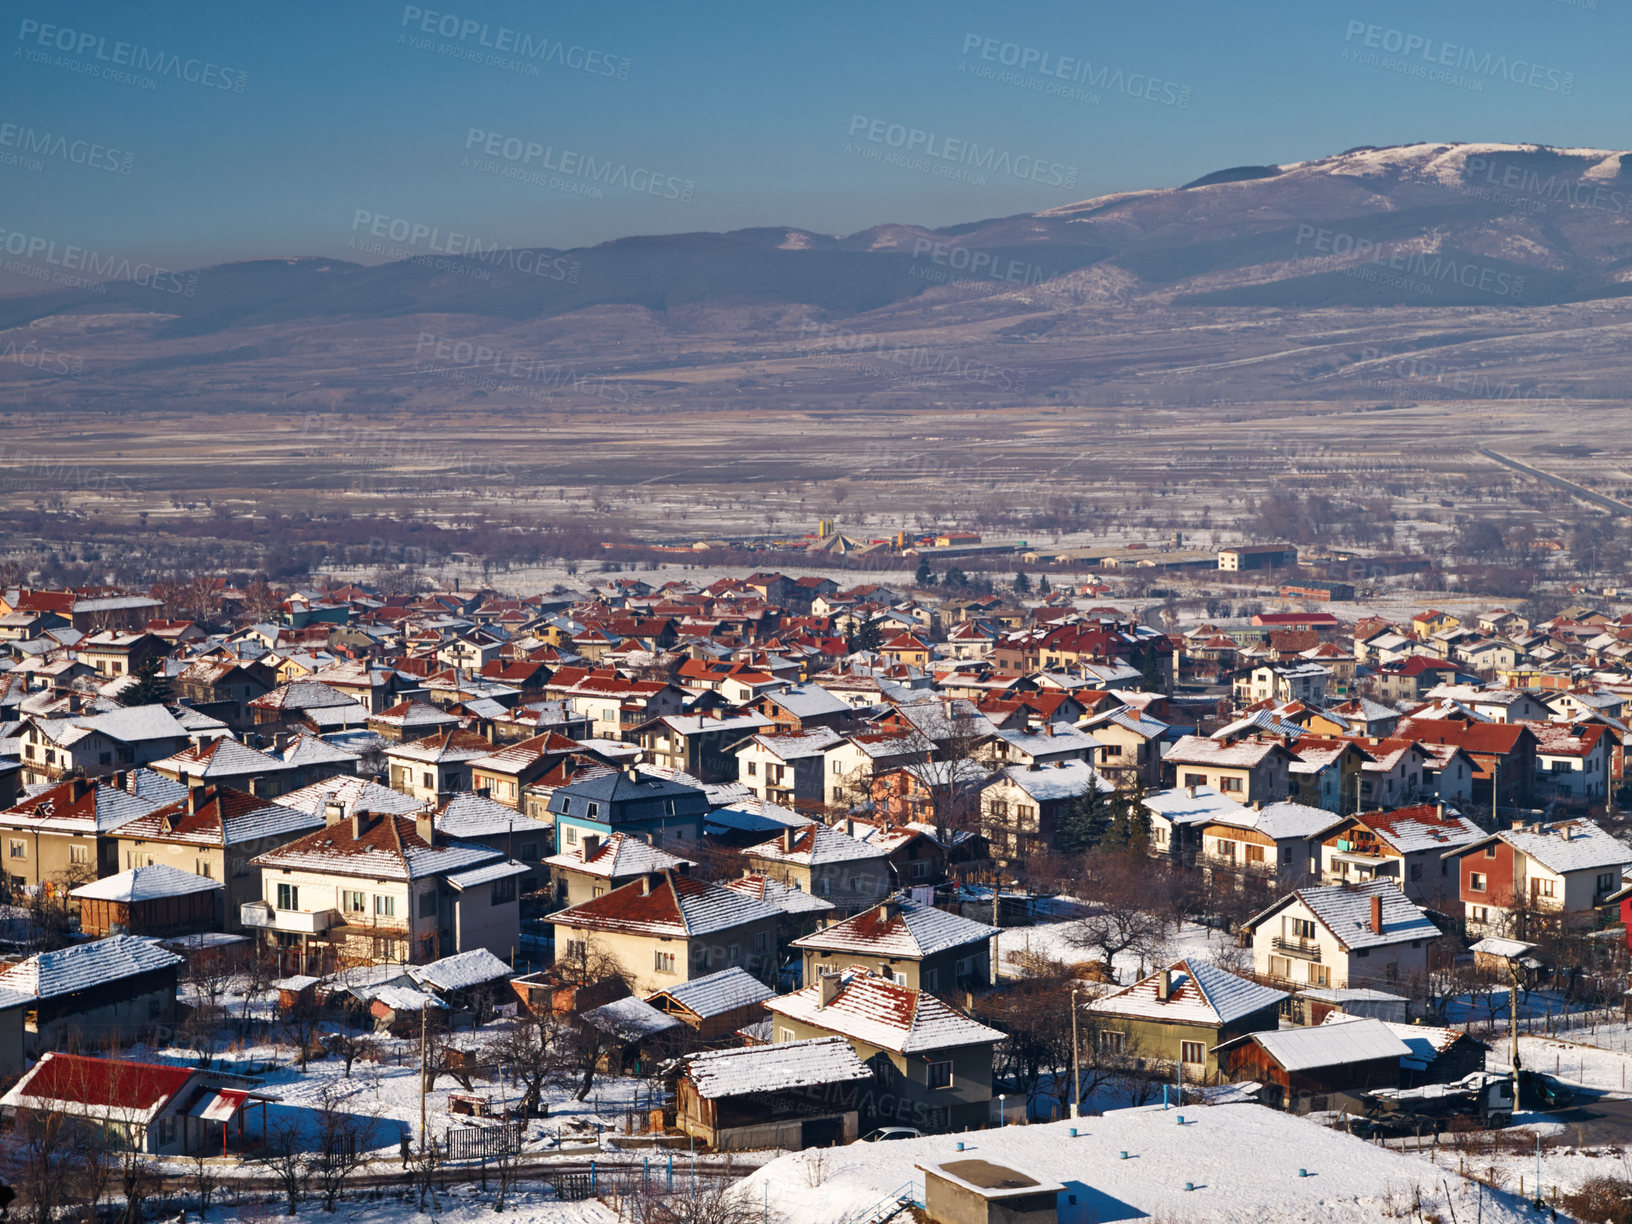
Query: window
1226,848
785,1035
1541,888
826,886
1229,784
353,902
920,869
1195,779
385,907
1111,1042
1476,881
288,897
1302,928
1192,1052
79,854
504,891
762,943
19,848
1255,853
1490,850
1319,975
932,979
1280,967
837,768
1416,871
428,781
663,962
940,1074
753,769
593,809
1478,913
572,835
427,904
529,850
735,955
203,867
1606,881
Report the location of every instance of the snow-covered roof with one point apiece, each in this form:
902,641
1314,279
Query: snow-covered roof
1329,1045
221,758
86,966
1569,845
714,994
674,906
875,1010
773,892
146,884
1191,805
1059,780
469,815
461,971
630,1019
775,1068
815,844
899,928
1509,949
1345,910
407,999
1199,993
390,848
1282,820
487,873
618,855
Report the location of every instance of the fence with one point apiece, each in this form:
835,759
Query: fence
483,1142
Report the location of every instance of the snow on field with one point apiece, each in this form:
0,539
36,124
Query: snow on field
1242,1161
1565,1168
1053,940
459,1205
1607,1070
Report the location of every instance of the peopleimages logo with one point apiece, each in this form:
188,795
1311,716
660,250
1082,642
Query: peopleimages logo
410,236
97,267
932,151
31,145
112,59
1419,54
1058,74
529,160
502,47
1419,269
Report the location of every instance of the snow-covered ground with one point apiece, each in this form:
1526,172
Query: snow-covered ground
1053,941
1242,1161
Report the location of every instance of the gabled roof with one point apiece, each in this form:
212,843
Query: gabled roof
1569,845
85,966
899,928
461,971
773,892
78,806
775,1068
149,883
1345,911
222,816
128,1091
390,848
469,815
1282,820
715,994
1243,754
221,758
1199,993
1422,826
675,906
815,844
1190,805
618,855
1329,1045
870,1008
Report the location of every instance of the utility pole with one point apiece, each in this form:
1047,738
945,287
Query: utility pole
1495,792
422,1023
1076,1057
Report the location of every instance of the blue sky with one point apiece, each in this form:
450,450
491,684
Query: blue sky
728,114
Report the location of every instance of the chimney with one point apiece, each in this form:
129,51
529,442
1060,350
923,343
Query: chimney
492,733
1439,810
592,843
1164,985
632,773
1376,913
195,798
787,840
1191,790
360,821
1565,831
333,812
849,827
828,986
645,885
121,779
425,827
74,703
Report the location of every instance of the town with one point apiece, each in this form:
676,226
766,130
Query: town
961,898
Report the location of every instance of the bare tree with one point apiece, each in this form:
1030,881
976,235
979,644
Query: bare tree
284,1159
204,1180
349,1045
1118,921
713,1200
139,1180
531,1052
344,1142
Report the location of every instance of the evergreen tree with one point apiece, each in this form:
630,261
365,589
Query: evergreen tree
1022,584
1138,816
1150,672
1042,586
150,687
866,637
1085,821
955,577
925,576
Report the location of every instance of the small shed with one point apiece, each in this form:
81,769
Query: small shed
794,1094
398,1009
978,1191
154,900
1500,957
716,1004
635,1032
298,991
471,981
1313,1006
1299,1067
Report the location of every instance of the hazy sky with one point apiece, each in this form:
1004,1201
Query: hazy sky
245,129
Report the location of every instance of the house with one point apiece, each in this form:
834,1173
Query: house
1269,841
1283,682
1300,1067
63,836
112,991
1177,1016
466,982
155,1108
698,744
1406,845
1556,873
658,810
411,720
793,1095
1327,773
376,887
152,901
1505,754
597,865
1339,936
1250,771
1178,816
1022,807
1257,556
826,863
804,707
932,1065
437,766
669,929
95,744
910,943
1129,745
715,1005
1044,744
226,762
788,768
214,832
115,652
1573,762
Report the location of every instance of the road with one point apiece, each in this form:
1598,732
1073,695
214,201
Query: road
1599,1121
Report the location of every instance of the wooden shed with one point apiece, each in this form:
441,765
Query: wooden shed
153,900
1299,1067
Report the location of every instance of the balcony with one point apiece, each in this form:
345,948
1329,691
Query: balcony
1305,949
262,916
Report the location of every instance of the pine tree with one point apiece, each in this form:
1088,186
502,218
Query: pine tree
1022,584
925,576
1150,672
1086,819
150,686
866,637
1043,587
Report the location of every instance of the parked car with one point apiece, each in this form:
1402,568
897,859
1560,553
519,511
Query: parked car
891,1132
